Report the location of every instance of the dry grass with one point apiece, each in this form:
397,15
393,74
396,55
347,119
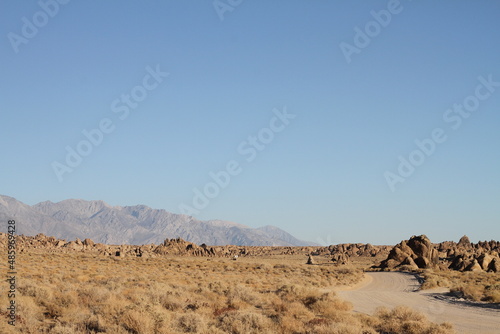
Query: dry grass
477,286
81,293
404,320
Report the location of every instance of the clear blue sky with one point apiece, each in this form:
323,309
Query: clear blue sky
322,177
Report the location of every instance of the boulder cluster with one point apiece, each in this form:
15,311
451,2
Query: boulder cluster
182,247
467,256
342,253
353,250
176,247
341,258
419,253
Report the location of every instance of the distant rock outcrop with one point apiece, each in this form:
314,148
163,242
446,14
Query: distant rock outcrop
181,247
169,247
353,250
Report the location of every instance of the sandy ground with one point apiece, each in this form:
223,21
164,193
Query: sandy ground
391,289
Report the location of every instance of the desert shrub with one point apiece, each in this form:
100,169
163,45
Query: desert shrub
218,288
6,328
298,311
402,319
326,304
399,314
63,329
137,322
30,313
52,309
287,292
93,324
476,286
493,287
289,324
35,290
66,299
328,310
92,295
434,281
263,266
491,293
469,292
190,323
170,302
239,293
340,328
406,268
245,323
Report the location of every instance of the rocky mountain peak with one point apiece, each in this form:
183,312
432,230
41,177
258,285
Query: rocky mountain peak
140,224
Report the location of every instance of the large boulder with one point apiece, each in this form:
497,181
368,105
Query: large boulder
340,258
409,263
484,260
494,265
73,245
60,243
464,242
417,252
88,242
474,266
458,263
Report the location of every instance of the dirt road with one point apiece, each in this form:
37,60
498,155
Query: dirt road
393,289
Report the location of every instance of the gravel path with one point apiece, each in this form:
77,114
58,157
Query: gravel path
391,289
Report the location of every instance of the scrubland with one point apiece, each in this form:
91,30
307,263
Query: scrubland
476,286
85,293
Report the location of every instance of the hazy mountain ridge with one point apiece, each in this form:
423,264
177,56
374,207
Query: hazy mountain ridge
140,224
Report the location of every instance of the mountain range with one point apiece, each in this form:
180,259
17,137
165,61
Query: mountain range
136,225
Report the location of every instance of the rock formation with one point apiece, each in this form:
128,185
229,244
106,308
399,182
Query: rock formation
358,249
464,242
340,258
468,256
417,252
420,253
494,265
